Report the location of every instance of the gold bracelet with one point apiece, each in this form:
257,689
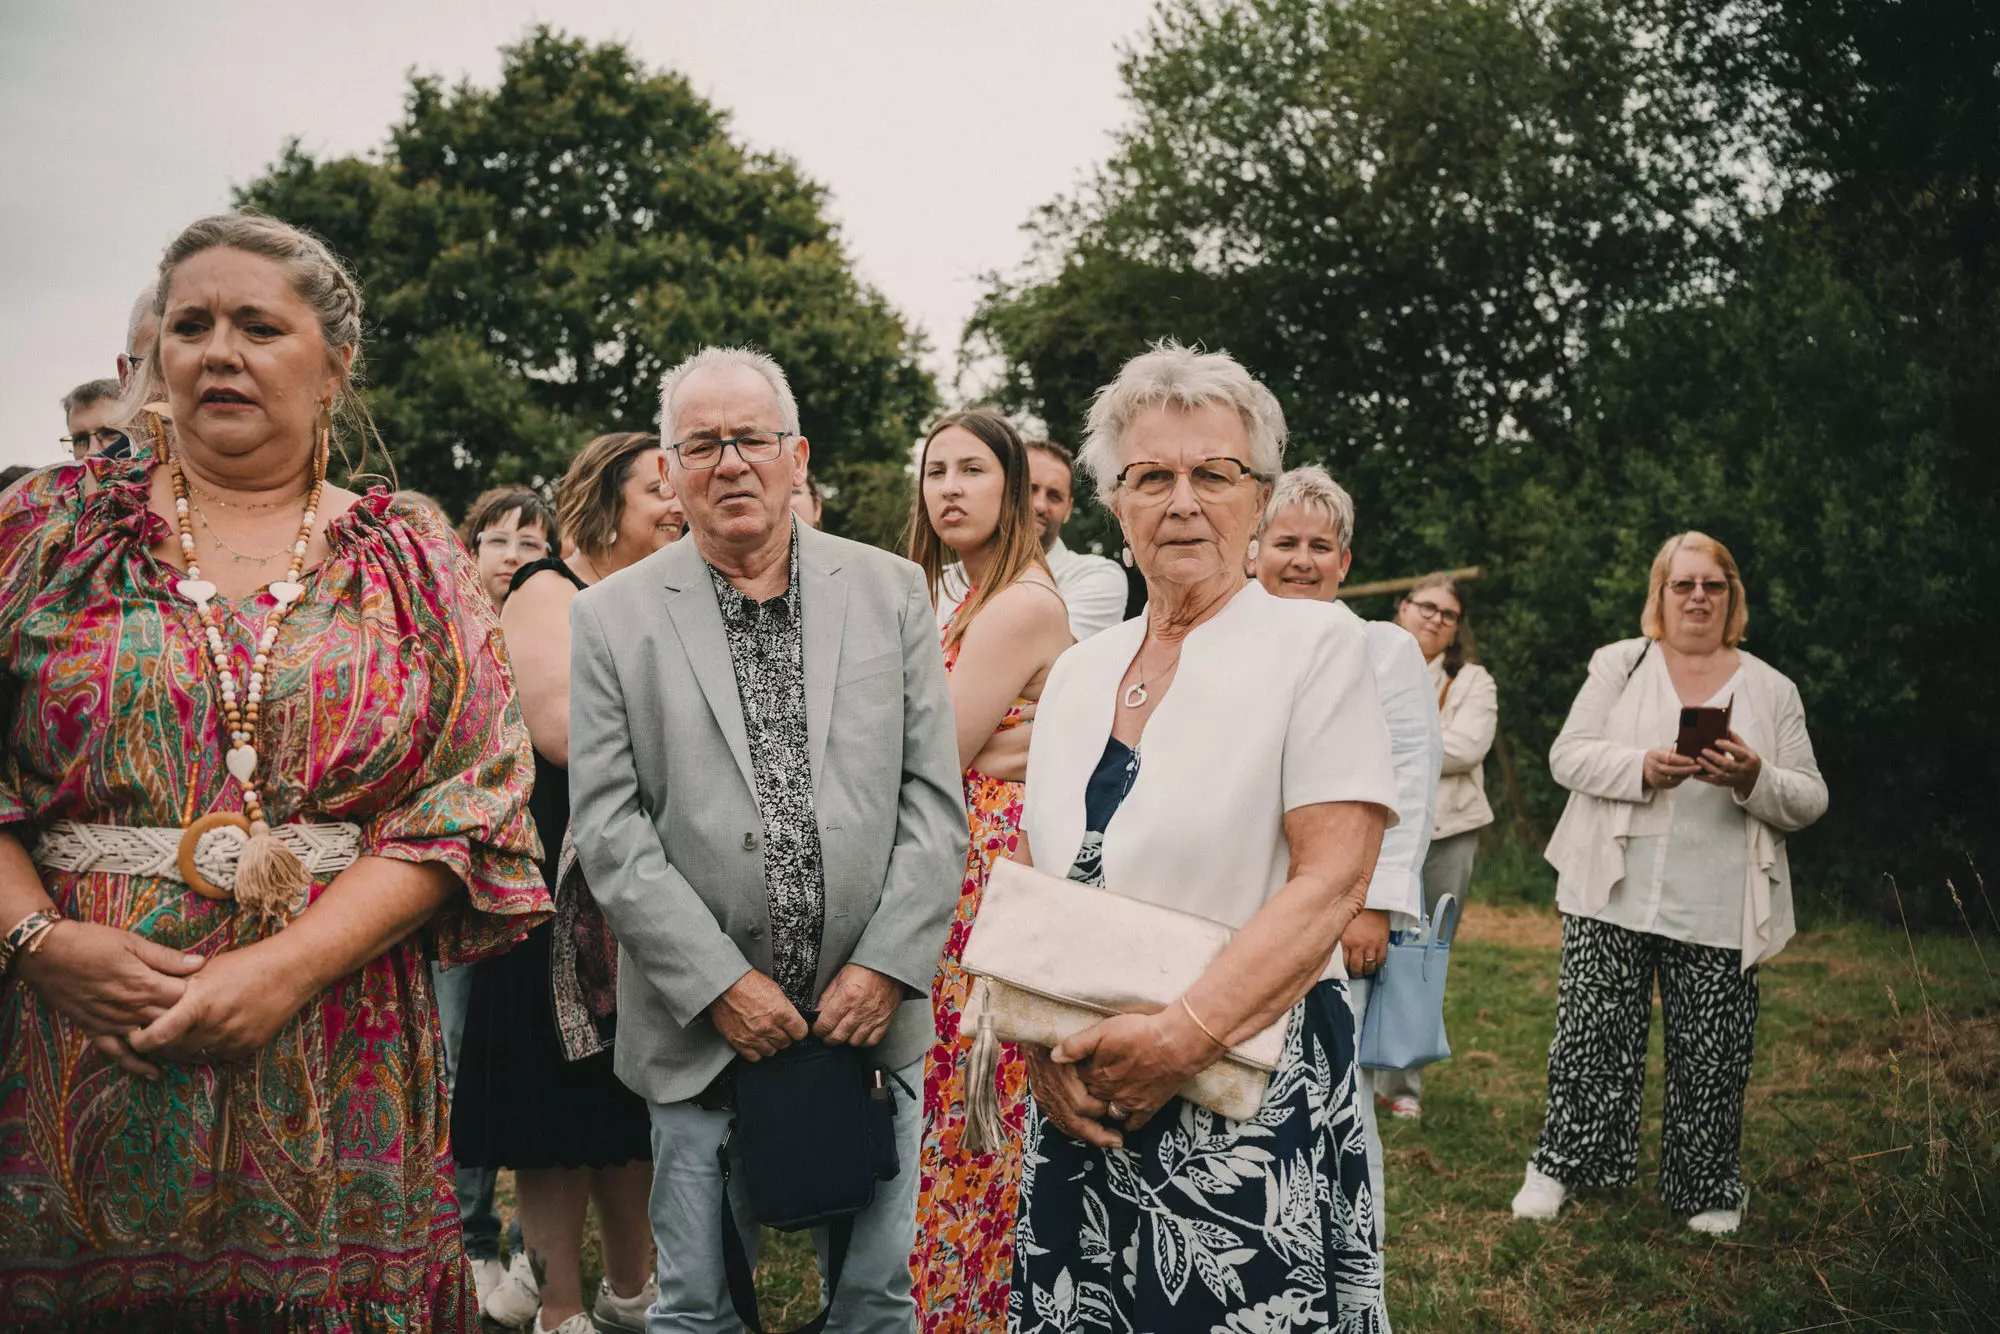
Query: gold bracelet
23,934
1200,1025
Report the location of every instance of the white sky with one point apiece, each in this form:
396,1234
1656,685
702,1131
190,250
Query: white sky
938,125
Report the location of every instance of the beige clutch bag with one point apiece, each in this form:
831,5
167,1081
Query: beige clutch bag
1052,957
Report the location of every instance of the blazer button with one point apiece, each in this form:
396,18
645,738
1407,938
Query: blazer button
749,842
756,933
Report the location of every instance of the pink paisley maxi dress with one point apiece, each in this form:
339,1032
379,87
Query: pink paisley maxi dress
390,705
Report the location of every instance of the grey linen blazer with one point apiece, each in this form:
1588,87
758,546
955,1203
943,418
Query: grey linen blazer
664,813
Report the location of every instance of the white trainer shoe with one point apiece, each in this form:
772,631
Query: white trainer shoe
517,1301
576,1324
487,1274
1540,1196
1717,1222
618,1315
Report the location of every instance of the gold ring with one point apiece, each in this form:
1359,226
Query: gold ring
191,838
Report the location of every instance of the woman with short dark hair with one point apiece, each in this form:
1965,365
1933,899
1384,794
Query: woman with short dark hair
537,1092
506,528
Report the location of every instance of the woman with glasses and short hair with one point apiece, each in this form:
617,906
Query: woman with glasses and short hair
1222,755
1660,876
537,1092
506,528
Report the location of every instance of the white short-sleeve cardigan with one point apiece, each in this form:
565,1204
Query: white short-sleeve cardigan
1273,707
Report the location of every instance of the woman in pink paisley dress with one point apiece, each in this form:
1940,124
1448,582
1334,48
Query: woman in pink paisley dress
208,1120
998,647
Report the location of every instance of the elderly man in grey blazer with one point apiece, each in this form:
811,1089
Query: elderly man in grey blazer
765,797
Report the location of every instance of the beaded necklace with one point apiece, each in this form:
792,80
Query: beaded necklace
269,875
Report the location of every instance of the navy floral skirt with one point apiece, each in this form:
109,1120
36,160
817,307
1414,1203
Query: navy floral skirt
1202,1223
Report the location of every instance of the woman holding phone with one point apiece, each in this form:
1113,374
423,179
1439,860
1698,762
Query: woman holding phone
1673,866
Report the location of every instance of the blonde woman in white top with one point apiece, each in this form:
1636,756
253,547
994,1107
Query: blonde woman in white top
1669,867
1468,706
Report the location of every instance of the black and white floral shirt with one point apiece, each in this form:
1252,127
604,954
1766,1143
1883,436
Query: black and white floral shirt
767,649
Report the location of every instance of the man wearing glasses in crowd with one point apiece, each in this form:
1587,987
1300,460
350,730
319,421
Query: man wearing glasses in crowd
88,410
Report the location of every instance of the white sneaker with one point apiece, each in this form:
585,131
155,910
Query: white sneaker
486,1276
518,1299
1540,1196
1717,1222
576,1324
1406,1107
613,1312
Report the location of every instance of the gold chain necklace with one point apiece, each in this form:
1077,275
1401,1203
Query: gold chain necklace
269,876
200,494
239,556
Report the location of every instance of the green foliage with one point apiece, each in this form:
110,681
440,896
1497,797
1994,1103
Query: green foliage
1543,283
534,256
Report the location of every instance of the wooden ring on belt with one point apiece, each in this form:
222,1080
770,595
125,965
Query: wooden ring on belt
192,836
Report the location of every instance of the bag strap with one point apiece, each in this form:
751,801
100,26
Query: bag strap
1634,669
736,1264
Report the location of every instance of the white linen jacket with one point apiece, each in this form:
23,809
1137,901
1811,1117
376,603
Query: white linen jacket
1273,707
1468,718
1600,757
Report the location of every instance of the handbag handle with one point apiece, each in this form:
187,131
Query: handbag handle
1443,925
736,1263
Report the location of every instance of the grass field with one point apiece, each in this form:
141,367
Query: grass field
1871,1143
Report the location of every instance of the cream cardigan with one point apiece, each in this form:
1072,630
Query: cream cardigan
1600,757
1273,707
1469,718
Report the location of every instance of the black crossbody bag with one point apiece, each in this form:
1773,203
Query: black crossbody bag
816,1128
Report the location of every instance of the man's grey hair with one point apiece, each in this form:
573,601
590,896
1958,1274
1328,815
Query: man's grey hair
1312,488
1171,375
710,357
90,391
143,313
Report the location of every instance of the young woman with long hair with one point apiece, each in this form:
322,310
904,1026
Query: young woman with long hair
973,504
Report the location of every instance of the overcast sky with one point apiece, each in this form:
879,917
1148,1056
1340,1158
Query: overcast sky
938,125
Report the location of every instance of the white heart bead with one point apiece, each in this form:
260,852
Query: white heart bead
243,762
287,592
197,591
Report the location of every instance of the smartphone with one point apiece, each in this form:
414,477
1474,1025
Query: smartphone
1701,728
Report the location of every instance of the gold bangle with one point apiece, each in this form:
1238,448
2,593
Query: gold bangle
1200,1025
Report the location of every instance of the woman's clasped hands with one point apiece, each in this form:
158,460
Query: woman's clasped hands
1116,1074
109,983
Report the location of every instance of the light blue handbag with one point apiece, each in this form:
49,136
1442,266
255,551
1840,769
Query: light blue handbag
1404,1026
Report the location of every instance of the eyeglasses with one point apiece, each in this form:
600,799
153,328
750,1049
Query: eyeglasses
1683,588
81,443
1430,611
1212,479
500,542
705,452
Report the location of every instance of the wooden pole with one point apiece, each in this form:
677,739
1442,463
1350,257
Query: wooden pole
1381,586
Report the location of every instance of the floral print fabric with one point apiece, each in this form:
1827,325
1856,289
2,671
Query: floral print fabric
388,704
964,1260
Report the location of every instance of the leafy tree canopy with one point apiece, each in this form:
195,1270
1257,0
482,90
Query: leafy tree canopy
1543,282
534,255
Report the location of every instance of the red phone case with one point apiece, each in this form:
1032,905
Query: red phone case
1701,728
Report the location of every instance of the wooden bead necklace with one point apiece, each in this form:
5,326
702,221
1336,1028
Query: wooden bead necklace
269,875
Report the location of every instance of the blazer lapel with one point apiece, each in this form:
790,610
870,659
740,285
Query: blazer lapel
697,619
824,625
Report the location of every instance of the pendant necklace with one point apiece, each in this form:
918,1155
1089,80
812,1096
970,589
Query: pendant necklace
1135,694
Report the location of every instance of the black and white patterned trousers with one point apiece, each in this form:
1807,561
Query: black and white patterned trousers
1597,1063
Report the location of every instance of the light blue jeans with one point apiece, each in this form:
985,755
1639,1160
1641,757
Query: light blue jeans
874,1293
1364,1084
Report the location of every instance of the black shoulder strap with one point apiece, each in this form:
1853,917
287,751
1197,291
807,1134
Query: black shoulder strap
736,1264
1634,669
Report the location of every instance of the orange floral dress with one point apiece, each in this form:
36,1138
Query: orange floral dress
963,1266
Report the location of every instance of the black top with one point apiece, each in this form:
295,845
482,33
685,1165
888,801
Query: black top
1110,782
548,804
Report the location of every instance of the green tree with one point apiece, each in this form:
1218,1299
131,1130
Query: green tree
534,255
1544,282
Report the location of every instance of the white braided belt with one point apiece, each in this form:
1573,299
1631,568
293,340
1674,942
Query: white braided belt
116,849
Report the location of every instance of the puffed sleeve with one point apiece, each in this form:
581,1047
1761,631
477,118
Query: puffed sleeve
467,805
37,516
1336,744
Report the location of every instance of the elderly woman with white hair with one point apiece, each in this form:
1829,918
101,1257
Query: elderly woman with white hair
1303,550
1223,755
